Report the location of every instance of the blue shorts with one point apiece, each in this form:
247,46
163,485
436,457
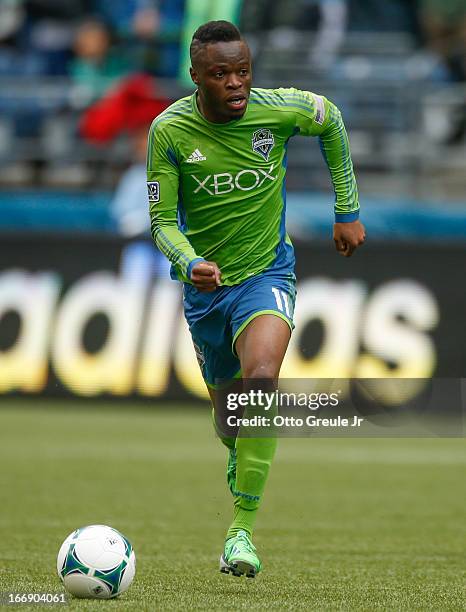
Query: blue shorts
216,319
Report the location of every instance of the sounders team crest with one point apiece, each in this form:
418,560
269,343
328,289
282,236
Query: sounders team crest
263,142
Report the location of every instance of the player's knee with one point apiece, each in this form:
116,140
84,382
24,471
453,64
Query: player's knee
264,369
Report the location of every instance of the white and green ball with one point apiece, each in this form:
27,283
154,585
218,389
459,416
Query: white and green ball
96,562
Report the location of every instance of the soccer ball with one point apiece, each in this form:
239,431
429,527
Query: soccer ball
97,562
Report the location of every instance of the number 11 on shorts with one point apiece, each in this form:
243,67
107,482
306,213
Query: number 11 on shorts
282,299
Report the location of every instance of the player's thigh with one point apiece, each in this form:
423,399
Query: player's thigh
261,346
262,322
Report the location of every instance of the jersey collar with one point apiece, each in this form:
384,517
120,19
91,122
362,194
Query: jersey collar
198,113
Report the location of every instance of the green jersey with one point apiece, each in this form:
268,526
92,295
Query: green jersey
217,190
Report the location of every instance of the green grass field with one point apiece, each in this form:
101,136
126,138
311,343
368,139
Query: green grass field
365,524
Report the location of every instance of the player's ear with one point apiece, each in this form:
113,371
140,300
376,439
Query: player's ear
194,76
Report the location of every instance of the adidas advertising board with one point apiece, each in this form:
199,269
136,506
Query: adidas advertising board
116,327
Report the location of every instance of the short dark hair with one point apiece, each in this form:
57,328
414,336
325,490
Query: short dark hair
213,32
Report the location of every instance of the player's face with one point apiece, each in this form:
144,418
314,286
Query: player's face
222,73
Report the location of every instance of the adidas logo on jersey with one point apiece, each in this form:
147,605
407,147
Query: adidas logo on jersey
196,156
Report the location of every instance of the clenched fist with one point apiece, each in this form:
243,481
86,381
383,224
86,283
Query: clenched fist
348,236
206,276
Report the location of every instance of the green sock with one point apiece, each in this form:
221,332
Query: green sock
243,520
254,457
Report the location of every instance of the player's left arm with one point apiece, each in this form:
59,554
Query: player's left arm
348,231
325,121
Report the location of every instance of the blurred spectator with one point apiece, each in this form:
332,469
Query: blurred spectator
171,24
136,25
280,20
130,108
129,207
50,30
11,18
145,23
444,26
127,18
383,16
150,31
330,31
96,66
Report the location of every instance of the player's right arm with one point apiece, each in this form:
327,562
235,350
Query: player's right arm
162,186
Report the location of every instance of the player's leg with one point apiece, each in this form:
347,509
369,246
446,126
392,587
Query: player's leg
206,314
221,322
261,347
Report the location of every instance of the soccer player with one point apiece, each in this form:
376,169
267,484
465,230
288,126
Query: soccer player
216,181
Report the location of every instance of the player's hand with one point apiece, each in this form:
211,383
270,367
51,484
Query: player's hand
206,276
348,236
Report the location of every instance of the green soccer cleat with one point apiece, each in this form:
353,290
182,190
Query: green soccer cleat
231,470
239,557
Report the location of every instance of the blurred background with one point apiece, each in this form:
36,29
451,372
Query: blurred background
88,315
86,306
